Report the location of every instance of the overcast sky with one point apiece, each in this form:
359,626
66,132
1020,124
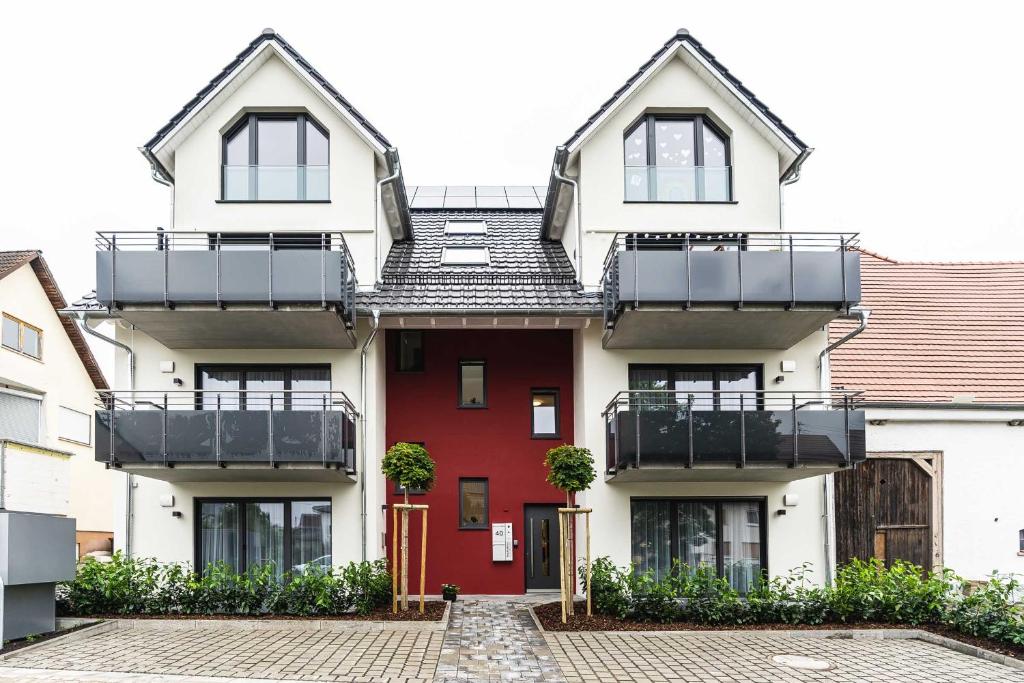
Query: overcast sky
915,112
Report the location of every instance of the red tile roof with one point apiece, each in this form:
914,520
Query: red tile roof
937,330
11,261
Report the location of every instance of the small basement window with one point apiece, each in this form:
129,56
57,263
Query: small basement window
465,227
465,256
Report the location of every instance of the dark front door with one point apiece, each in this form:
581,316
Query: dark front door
884,510
542,547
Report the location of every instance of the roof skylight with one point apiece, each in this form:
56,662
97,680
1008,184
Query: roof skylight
465,227
465,256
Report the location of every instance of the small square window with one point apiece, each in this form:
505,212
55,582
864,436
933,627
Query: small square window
410,351
21,337
544,408
465,227
472,384
465,256
74,425
473,504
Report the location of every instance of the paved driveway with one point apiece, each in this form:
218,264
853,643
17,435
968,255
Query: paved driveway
749,657
490,641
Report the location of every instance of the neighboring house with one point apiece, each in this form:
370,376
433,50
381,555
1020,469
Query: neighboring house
941,364
48,379
307,309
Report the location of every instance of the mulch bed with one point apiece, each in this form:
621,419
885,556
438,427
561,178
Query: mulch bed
12,645
550,616
433,610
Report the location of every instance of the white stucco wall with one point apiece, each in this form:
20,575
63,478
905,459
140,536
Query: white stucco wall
354,170
793,539
983,470
62,380
600,168
157,533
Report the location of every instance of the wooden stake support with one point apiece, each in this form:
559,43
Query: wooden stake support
566,524
400,561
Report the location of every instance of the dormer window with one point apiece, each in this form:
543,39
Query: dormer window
276,157
671,158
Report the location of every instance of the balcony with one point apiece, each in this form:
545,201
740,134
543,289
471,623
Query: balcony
739,290
678,184
230,290
228,435
256,183
659,435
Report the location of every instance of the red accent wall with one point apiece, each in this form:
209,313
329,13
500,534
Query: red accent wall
494,442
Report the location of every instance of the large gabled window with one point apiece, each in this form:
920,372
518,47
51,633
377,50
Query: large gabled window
275,157
674,158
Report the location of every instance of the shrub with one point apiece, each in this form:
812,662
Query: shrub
144,587
609,594
989,611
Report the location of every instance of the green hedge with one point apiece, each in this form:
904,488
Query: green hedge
861,592
144,587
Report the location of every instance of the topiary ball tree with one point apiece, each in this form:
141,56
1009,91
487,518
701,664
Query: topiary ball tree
409,465
570,469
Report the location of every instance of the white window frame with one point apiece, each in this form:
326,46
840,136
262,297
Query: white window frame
21,337
465,227
448,257
61,422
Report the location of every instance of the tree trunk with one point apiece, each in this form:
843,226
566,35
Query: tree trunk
405,559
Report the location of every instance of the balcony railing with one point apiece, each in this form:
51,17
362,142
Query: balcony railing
226,428
787,269
183,267
679,429
276,183
678,184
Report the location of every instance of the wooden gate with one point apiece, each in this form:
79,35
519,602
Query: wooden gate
889,507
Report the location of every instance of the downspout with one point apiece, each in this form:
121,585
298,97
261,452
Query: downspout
158,176
3,478
576,217
828,484
378,199
362,417
791,176
128,511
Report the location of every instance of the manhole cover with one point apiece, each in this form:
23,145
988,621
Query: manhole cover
802,662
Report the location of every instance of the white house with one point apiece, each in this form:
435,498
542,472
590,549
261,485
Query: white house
306,309
941,365
48,380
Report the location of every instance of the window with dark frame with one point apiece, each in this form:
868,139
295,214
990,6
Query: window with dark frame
1021,551
472,384
410,351
473,504
739,384
292,534
275,157
544,418
18,335
676,158
264,387
729,535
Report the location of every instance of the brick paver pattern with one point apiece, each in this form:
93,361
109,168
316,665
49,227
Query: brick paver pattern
747,657
398,656
494,641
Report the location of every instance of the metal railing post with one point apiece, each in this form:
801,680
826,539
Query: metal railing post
270,275
217,431
636,272
270,429
113,410
689,279
792,276
842,256
636,434
323,428
163,431
689,430
743,435
323,270
220,303
846,428
113,271
739,269
160,238
796,436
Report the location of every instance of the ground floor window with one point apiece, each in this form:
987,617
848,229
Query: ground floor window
729,535
291,535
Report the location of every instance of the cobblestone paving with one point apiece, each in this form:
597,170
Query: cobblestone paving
398,656
494,641
747,657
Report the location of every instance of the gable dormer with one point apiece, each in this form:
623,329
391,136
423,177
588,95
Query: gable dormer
682,145
269,144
